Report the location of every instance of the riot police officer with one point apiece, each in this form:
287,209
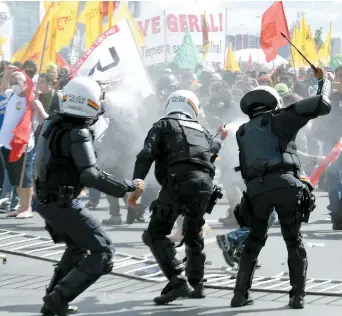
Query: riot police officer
270,168
165,85
65,163
181,149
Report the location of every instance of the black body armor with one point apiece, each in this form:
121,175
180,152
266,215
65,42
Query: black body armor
54,166
261,151
66,162
190,146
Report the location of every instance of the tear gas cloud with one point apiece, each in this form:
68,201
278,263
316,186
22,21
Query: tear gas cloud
125,135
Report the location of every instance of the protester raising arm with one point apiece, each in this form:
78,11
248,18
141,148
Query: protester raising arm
39,111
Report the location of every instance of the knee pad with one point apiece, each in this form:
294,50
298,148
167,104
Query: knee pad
195,245
298,253
254,244
293,243
98,264
199,257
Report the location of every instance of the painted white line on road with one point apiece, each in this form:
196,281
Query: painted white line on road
212,221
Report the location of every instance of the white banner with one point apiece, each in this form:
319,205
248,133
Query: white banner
164,34
6,31
115,56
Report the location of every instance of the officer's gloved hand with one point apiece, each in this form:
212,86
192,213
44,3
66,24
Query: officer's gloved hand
223,131
139,190
319,74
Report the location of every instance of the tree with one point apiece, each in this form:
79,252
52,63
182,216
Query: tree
318,38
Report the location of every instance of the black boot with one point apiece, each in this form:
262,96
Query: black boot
56,303
198,291
46,311
69,260
244,280
194,269
336,226
176,288
297,273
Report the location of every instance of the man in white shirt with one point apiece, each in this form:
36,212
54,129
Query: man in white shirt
15,110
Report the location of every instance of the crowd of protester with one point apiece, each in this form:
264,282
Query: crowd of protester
16,181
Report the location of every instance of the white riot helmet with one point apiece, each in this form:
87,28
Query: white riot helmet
183,101
81,98
262,97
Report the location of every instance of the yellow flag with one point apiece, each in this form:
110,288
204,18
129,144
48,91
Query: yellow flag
91,16
231,63
18,56
122,13
325,51
308,44
3,40
110,14
64,24
296,59
47,5
205,37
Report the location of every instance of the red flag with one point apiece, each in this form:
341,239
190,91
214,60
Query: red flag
61,62
250,65
272,24
333,156
22,132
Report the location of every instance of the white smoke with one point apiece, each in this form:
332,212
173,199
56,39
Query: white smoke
122,108
230,149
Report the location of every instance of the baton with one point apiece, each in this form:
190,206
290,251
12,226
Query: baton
299,52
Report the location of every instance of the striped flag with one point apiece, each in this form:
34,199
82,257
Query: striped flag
205,37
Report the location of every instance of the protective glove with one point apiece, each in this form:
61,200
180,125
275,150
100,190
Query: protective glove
139,190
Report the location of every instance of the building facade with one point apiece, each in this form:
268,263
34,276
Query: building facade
26,18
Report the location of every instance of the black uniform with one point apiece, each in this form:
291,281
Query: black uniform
181,149
65,163
270,167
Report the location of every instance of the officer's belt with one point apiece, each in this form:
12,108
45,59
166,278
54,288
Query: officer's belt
277,171
191,175
52,198
47,199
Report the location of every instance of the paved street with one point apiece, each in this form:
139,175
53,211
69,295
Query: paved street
22,280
